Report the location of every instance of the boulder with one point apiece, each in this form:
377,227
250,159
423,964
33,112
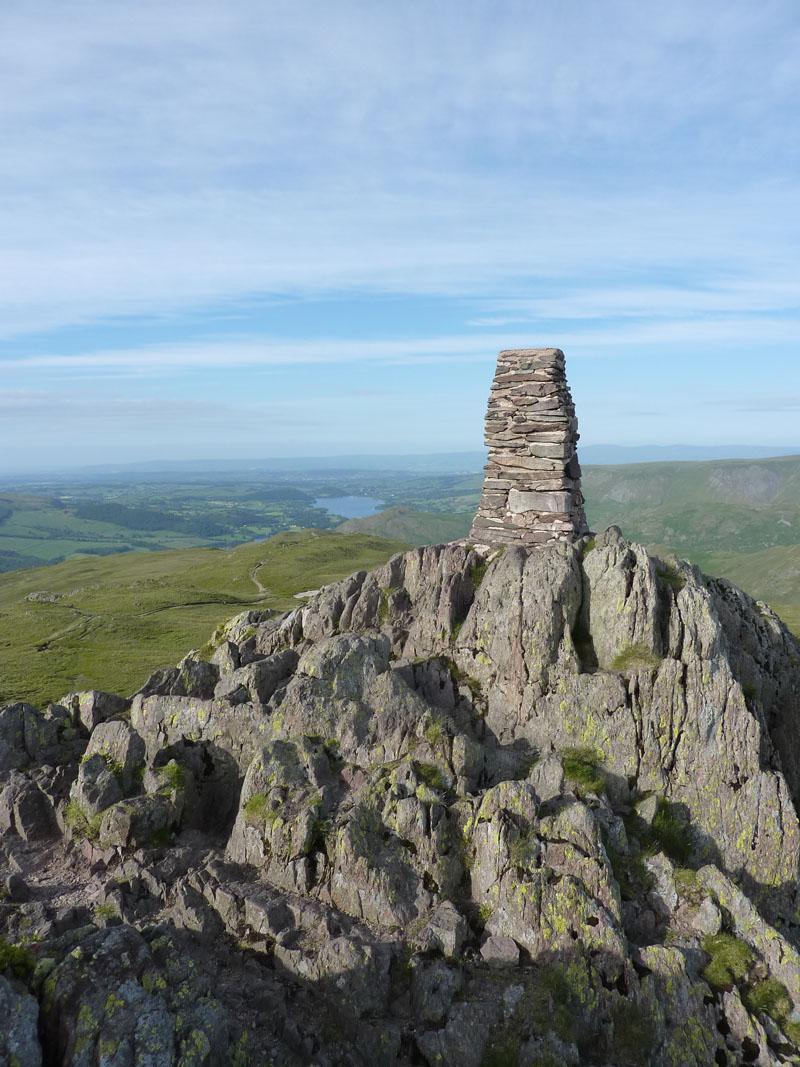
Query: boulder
92,706
122,749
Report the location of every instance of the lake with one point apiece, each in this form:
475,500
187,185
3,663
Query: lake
352,507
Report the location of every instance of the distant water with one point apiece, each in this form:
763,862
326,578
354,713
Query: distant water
352,507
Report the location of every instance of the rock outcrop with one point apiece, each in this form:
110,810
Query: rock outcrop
520,806
532,489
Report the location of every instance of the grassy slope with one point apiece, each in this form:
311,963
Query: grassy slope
415,527
724,505
772,575
118,618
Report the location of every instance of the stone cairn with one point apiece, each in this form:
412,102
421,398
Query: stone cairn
532,488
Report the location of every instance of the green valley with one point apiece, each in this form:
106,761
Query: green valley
108,623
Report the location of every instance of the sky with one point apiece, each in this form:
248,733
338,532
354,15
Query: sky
262,228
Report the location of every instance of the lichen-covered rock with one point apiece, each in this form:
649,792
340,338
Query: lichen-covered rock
396,854
165,721
143,821
474,807
122,749
25,809
255,682
19,1014
122,998
97,787
93,706
286,800
460,1043
29,736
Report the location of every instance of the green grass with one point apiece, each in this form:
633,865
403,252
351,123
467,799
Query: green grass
670,832
258,811
431,775
82,827
414,527
634,658
116,619
582,769
15,958
173,778
730,960
435,733
477,573
769,997
671,577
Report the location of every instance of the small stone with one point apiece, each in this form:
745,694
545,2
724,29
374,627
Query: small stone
500,952
708,919
646,809
446,930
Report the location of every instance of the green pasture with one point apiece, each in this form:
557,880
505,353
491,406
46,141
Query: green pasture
109,622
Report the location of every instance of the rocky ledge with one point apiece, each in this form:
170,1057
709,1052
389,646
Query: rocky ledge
523,809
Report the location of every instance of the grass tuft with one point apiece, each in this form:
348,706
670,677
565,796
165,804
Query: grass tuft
730,960
671,577
431,775
435,733
258,811
477,574
83,827
670,832
15,958
769,997
581,768
173,777
635,658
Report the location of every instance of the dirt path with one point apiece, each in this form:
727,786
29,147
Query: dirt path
254,579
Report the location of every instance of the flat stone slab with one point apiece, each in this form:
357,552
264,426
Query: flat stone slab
519,502
500,952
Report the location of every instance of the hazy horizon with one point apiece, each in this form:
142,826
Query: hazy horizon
420,462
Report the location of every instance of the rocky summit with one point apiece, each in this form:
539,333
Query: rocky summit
477,808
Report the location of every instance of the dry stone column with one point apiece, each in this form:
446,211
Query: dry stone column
532,489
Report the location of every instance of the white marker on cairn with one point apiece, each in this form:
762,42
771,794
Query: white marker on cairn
532,489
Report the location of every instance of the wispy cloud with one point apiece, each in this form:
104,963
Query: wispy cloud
164,157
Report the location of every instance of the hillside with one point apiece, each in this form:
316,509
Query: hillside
412,526
97,520
722,505
108,623
772,575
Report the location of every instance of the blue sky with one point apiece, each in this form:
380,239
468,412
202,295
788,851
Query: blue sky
274,228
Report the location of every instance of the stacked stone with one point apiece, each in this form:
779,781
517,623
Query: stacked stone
532,489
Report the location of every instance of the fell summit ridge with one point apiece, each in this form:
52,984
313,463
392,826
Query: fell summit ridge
502,804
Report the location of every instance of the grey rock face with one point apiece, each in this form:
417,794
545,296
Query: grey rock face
19,1014
25,809
92,707
121,748
123,999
